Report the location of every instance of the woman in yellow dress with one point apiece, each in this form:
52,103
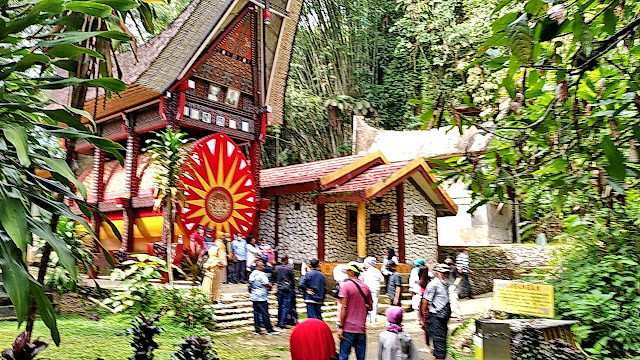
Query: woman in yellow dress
214,267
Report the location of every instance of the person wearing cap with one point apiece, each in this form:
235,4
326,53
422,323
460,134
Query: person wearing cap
314,286
436,311
394,284
395,344
356,301
414,286
372,277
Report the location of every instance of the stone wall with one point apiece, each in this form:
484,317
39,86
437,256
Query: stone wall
268,222
337,248
378,243
298,235
416,245
506,262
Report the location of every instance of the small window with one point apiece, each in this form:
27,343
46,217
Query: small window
233,98
352,224
296,206
214,93
420,225
379,223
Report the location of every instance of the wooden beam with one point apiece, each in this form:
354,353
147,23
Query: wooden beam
400,212
321,218
362,230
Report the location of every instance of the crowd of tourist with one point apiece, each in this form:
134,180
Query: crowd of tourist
434,297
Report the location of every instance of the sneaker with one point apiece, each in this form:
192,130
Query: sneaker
274,332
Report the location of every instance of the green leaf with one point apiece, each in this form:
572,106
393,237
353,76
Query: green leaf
59,246
91,8
120,5
70,51
610,21
520,39
13,218
60,166
17,136
45,309
14,276
616,166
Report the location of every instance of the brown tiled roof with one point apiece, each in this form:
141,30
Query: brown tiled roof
367,178
303,173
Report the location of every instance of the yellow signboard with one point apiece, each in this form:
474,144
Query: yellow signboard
523,298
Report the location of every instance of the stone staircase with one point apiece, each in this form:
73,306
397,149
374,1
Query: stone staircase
235,312
7,312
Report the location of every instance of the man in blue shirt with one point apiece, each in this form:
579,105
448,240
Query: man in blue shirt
314,286
239,246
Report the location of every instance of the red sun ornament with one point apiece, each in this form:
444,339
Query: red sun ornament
219,187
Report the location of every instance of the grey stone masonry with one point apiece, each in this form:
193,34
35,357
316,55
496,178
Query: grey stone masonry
423,246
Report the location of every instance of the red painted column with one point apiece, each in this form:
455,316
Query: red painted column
400,210
321,217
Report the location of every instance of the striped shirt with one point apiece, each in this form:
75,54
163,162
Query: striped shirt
462,261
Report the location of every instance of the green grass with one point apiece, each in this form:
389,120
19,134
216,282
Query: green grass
86,339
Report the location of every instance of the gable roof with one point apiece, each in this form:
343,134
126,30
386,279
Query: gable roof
380,179
166,58
317,175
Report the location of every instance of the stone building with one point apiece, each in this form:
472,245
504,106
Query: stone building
488,224
346,208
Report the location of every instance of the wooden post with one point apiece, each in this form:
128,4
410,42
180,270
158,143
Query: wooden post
321,232
130,186
362,230
98,186
400,212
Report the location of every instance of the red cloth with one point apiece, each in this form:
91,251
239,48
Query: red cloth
196,242
312,340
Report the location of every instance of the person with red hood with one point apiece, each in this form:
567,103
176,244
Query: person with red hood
312,340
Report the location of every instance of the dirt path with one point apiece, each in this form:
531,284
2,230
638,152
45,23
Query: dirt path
279,344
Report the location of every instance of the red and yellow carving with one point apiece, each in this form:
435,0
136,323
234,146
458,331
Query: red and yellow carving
220,189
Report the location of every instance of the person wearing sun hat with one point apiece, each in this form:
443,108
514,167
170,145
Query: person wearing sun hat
436,311
356,301
394,344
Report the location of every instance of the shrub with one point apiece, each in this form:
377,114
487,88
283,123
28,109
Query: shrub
135,278
186,307
599,285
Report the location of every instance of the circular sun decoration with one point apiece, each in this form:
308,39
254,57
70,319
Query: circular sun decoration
220,189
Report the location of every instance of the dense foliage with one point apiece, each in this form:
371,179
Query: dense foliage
376,58
566,129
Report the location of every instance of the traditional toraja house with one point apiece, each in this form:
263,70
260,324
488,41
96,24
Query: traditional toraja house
219,68
346,208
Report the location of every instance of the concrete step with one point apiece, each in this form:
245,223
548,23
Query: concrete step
7,311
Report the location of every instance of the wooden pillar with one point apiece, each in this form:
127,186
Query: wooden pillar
97,190
130,187
255,159
321,232
362,230
400,211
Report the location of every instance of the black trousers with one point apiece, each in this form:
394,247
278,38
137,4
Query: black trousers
437,330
